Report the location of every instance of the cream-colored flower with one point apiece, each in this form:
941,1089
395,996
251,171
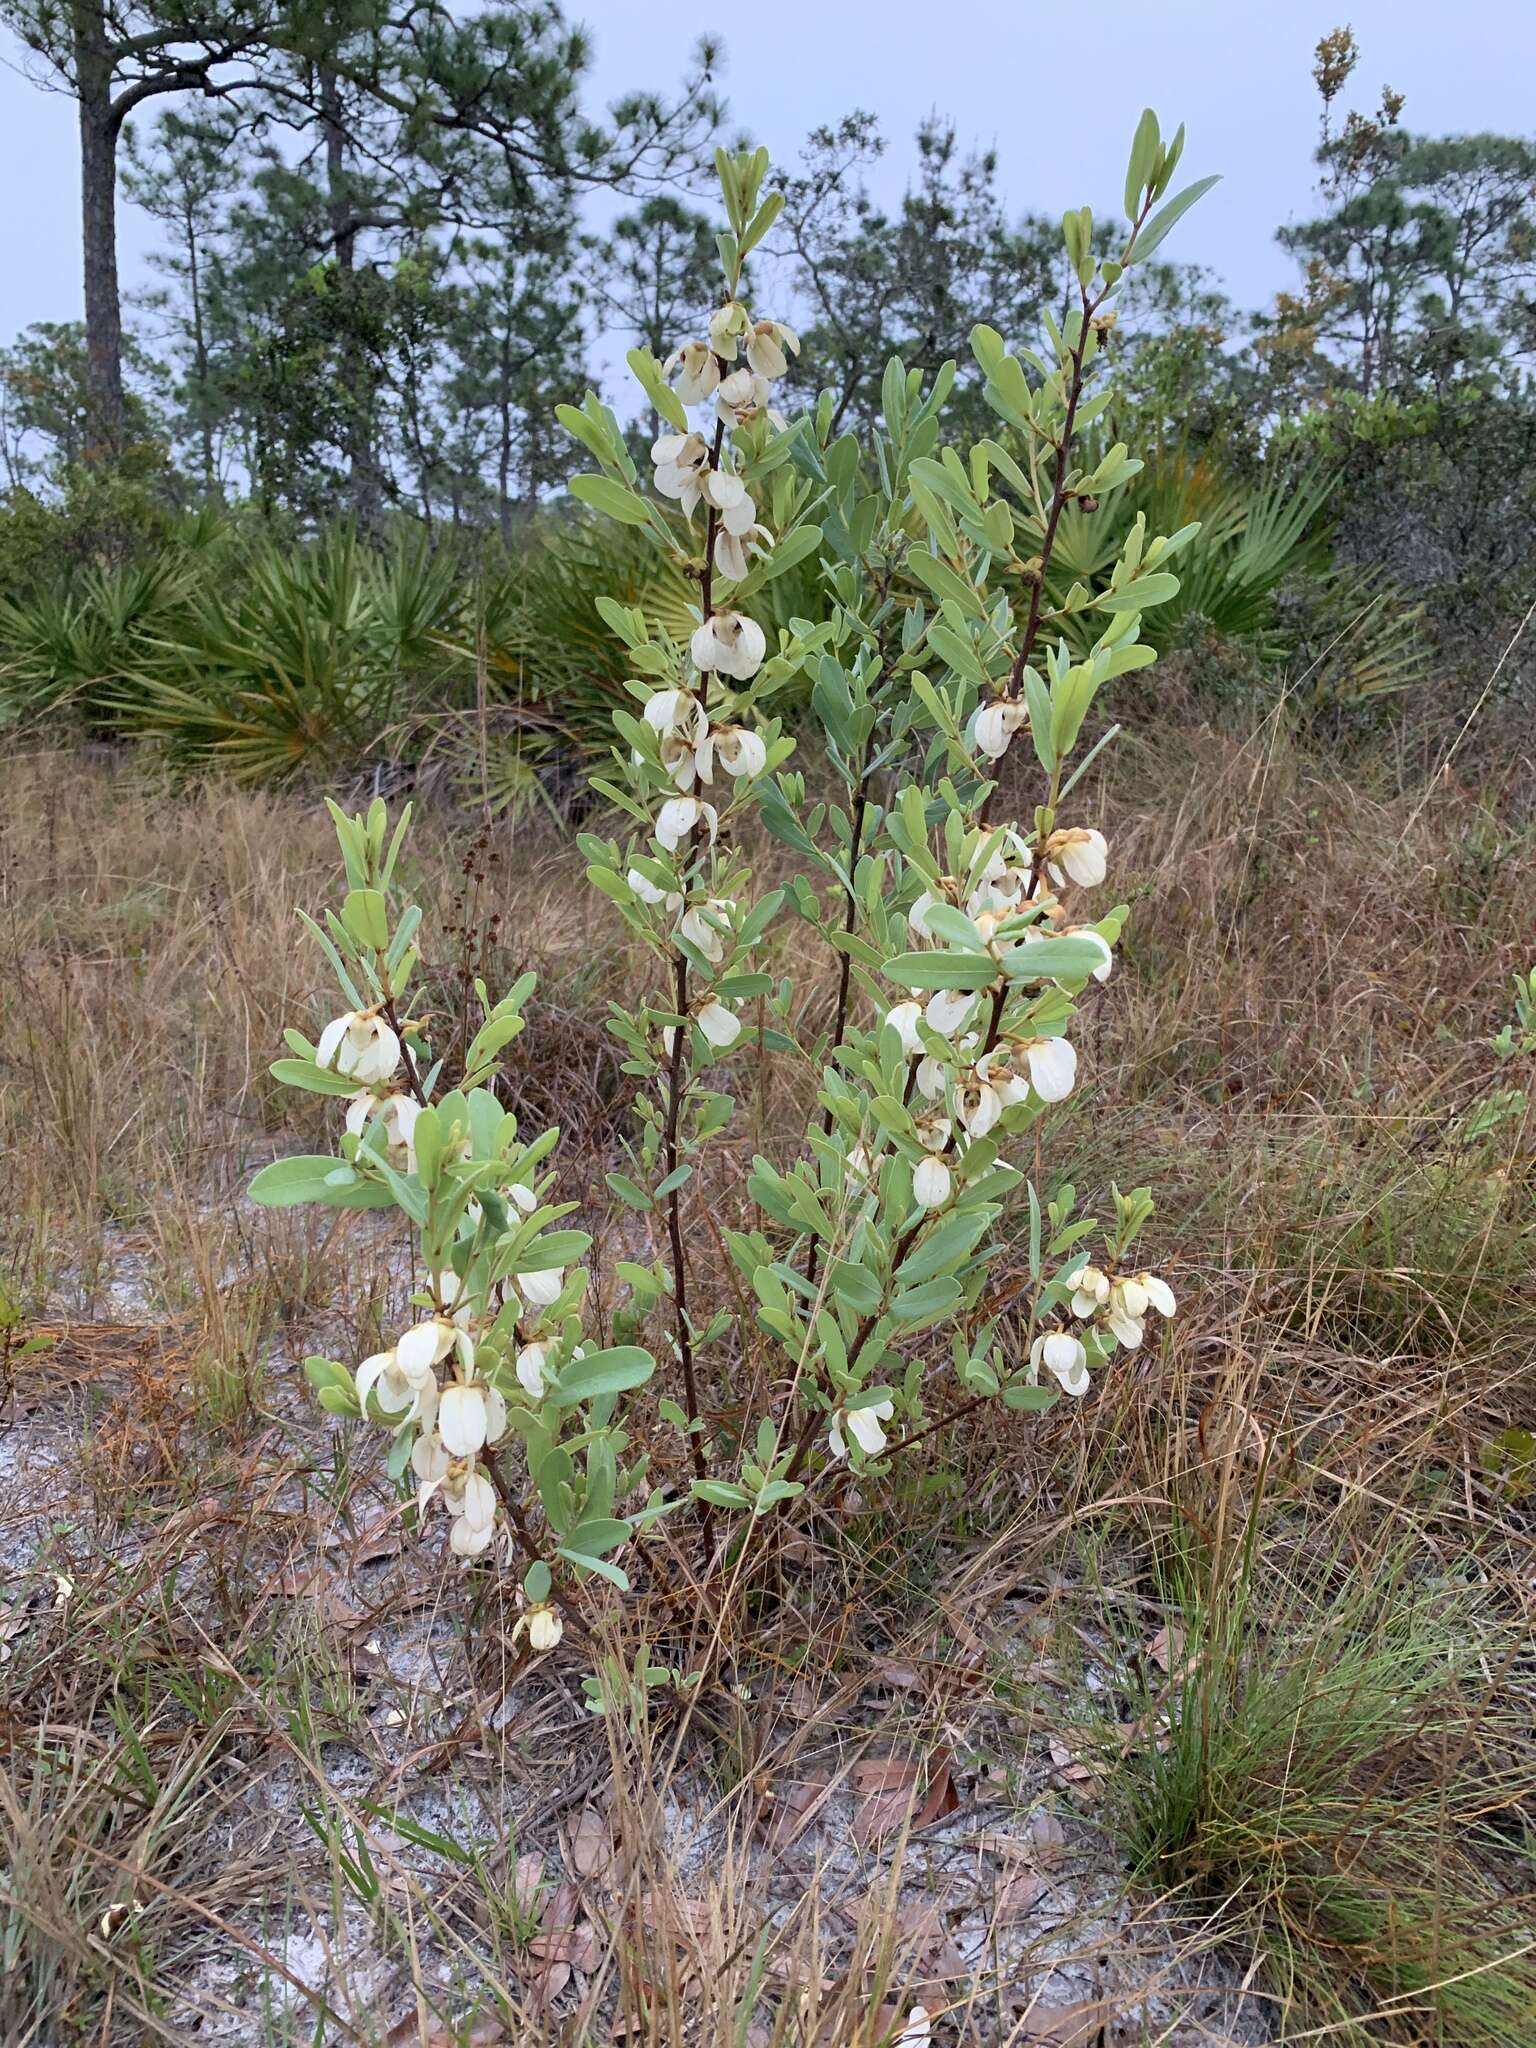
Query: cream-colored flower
931,1182
995,724
531,1369
1090,1291
730,555
400,1113
741,398
648,892
470,1415
766,342
721,1026
401,1394
543,1627
741,753
474,1516
700,372
727,324
1078,854
950,1010
863,1425
978,1104
425,1345
676,714
1052,1064
1064,1358
541,1290
682,468
701,927
730,643
1130,1297
681,815
1004,882
361,1045
904,1019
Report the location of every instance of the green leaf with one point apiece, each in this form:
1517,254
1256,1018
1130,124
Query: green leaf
602,1372
1168,216
1144,150
312,1178
605,495
942,970
597,1537
366,916
305,1074
855,1285
1139,595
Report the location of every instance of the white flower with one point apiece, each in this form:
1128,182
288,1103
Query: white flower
530,1364
725,324
524,1200
918,2032
932,1077
766,343
701,373
426,1345
404,1397
400,1113
470,1416
702,934
731,549
679,816
1090,1291
1064,1358
1159,1293
949,1009
682,464
863,1425
1003,884
679,712
1052,1064
541,1290
722,1027
1078,854
740,753
474,1516
648,892
862,1166
993,727
360,1045
730,643
544,1627
685,762
1129,1300
917,916
995,1068
741,397
904,1019
931,1182
978,1104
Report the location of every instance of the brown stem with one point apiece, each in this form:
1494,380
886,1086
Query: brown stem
513,1507
675,1079
392,1019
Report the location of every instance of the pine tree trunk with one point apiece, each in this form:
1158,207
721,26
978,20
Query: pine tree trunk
98,228
364,480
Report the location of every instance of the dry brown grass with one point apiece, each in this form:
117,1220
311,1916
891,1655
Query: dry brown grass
1289,1049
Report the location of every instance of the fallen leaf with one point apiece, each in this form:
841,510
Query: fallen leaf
794,1806
589,1845
1068,2026
884,1794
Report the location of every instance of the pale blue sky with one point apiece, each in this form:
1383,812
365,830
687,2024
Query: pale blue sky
1055,88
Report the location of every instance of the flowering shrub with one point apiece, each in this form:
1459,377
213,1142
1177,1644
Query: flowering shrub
964,941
